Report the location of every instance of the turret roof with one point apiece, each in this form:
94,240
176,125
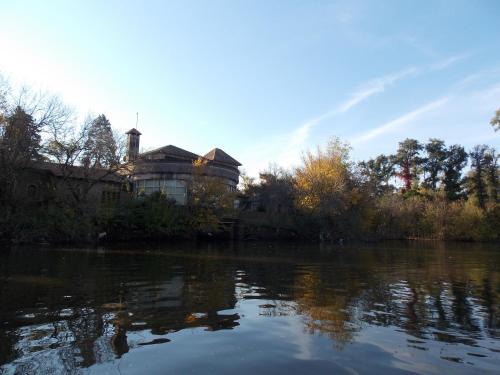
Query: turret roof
134,131
219,155
172,151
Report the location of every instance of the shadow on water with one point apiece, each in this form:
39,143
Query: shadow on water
416,308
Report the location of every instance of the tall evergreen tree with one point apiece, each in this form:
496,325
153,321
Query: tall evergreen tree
456,159
408,160
20,137
19,146
478,164
434,162
100,149
491,170
377,172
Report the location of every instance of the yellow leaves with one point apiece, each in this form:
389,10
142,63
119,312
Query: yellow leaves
199,163
191,318
209,198
323,178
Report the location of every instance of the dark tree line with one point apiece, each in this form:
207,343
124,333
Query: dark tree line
435,167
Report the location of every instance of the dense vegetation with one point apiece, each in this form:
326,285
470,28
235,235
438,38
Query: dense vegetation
423,190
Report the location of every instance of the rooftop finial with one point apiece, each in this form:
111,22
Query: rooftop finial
136,119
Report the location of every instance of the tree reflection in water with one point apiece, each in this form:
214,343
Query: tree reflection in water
66,310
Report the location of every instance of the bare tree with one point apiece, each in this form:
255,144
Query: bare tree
4,94
46,109
80,166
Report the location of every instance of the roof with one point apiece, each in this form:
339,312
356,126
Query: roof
134,131
173,151
76,171
219,155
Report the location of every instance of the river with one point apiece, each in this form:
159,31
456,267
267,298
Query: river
247,308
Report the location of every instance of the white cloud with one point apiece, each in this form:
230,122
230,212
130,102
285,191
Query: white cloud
449,61
293,146
400,121
368,89
458,117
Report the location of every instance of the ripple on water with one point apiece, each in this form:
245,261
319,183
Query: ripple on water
368,311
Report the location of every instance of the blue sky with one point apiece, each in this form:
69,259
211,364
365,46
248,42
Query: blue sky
266,80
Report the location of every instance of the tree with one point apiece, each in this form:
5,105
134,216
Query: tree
46,110
495,121
326,189
21,138
408,160
19,147
24,116
456,159
84,160
434,162
478,164
377,172
210,199
247,182
276,190
491,169
100,149
4,93
324,178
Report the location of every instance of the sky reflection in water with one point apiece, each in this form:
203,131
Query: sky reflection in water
225,308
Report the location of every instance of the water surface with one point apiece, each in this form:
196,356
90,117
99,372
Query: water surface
390,308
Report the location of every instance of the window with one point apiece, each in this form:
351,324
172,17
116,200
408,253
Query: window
172,189
110,197
147,187
151,186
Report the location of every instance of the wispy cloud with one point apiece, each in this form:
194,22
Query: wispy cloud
400,121
373,87
292,144
368,89
443,64
483,76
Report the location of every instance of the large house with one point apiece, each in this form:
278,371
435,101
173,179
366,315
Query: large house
169,169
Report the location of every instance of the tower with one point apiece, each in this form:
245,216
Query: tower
133,136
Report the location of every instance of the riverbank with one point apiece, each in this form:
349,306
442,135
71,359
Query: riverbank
393,217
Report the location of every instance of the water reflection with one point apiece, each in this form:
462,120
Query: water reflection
67,310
